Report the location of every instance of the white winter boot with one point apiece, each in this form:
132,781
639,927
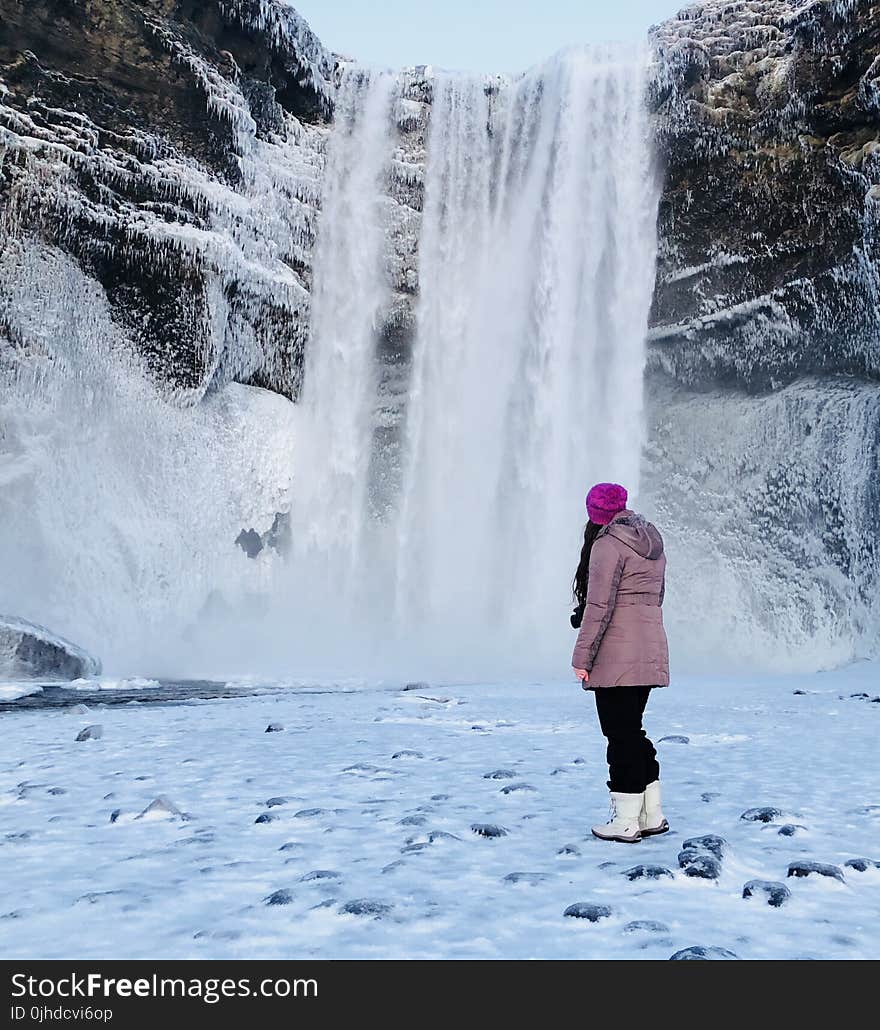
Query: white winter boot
624,823
651,820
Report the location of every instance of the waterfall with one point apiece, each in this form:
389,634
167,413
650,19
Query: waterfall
340,380
525,379
536,262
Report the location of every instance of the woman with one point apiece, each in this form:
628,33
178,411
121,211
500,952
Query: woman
621,652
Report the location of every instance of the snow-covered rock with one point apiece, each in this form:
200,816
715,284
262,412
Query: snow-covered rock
28,650
765,112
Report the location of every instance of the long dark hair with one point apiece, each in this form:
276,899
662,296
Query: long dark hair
582,573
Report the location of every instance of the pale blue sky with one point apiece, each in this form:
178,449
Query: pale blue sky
475,35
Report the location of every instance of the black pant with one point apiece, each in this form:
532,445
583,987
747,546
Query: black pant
632,760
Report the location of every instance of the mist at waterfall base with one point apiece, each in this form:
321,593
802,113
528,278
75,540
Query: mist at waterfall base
437,500
436,530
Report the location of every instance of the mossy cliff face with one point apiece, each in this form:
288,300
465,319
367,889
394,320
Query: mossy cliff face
767,116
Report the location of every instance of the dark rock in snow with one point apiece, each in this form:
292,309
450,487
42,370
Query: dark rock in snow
797,692
418,685
274,727
587,910
94,732
500,774
700,865
765,814
675,738
266,817
775,894
290,845
392,867
701,952
440,797
789,829
56,791
709,795
366,907
115,814
569,849
28,650
488,830
309,813
276,802
710,842
407,754
282,897
518,788
647,872
161,807
412,820
436,835
805,868
861,865
320,874
533,879
645,926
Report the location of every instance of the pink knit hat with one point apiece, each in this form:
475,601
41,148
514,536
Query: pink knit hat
604,501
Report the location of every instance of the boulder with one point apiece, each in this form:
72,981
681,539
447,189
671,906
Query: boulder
162,808
94,732
280,897
28,651
775,894
710,842
861,865
489,830
588,910
699,951
804,868
700,865
765,814
366,907
647,872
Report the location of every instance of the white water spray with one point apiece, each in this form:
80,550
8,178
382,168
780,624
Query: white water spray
535,266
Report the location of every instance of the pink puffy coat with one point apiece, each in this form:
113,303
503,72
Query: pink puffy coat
622,641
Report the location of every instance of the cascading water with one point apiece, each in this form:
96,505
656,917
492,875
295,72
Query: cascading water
435,479
340,377
536,263
525,383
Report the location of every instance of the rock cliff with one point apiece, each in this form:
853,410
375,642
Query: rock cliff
767,116
174,150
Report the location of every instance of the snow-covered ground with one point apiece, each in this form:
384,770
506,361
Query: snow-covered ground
375,792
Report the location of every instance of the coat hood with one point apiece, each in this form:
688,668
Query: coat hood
639,534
